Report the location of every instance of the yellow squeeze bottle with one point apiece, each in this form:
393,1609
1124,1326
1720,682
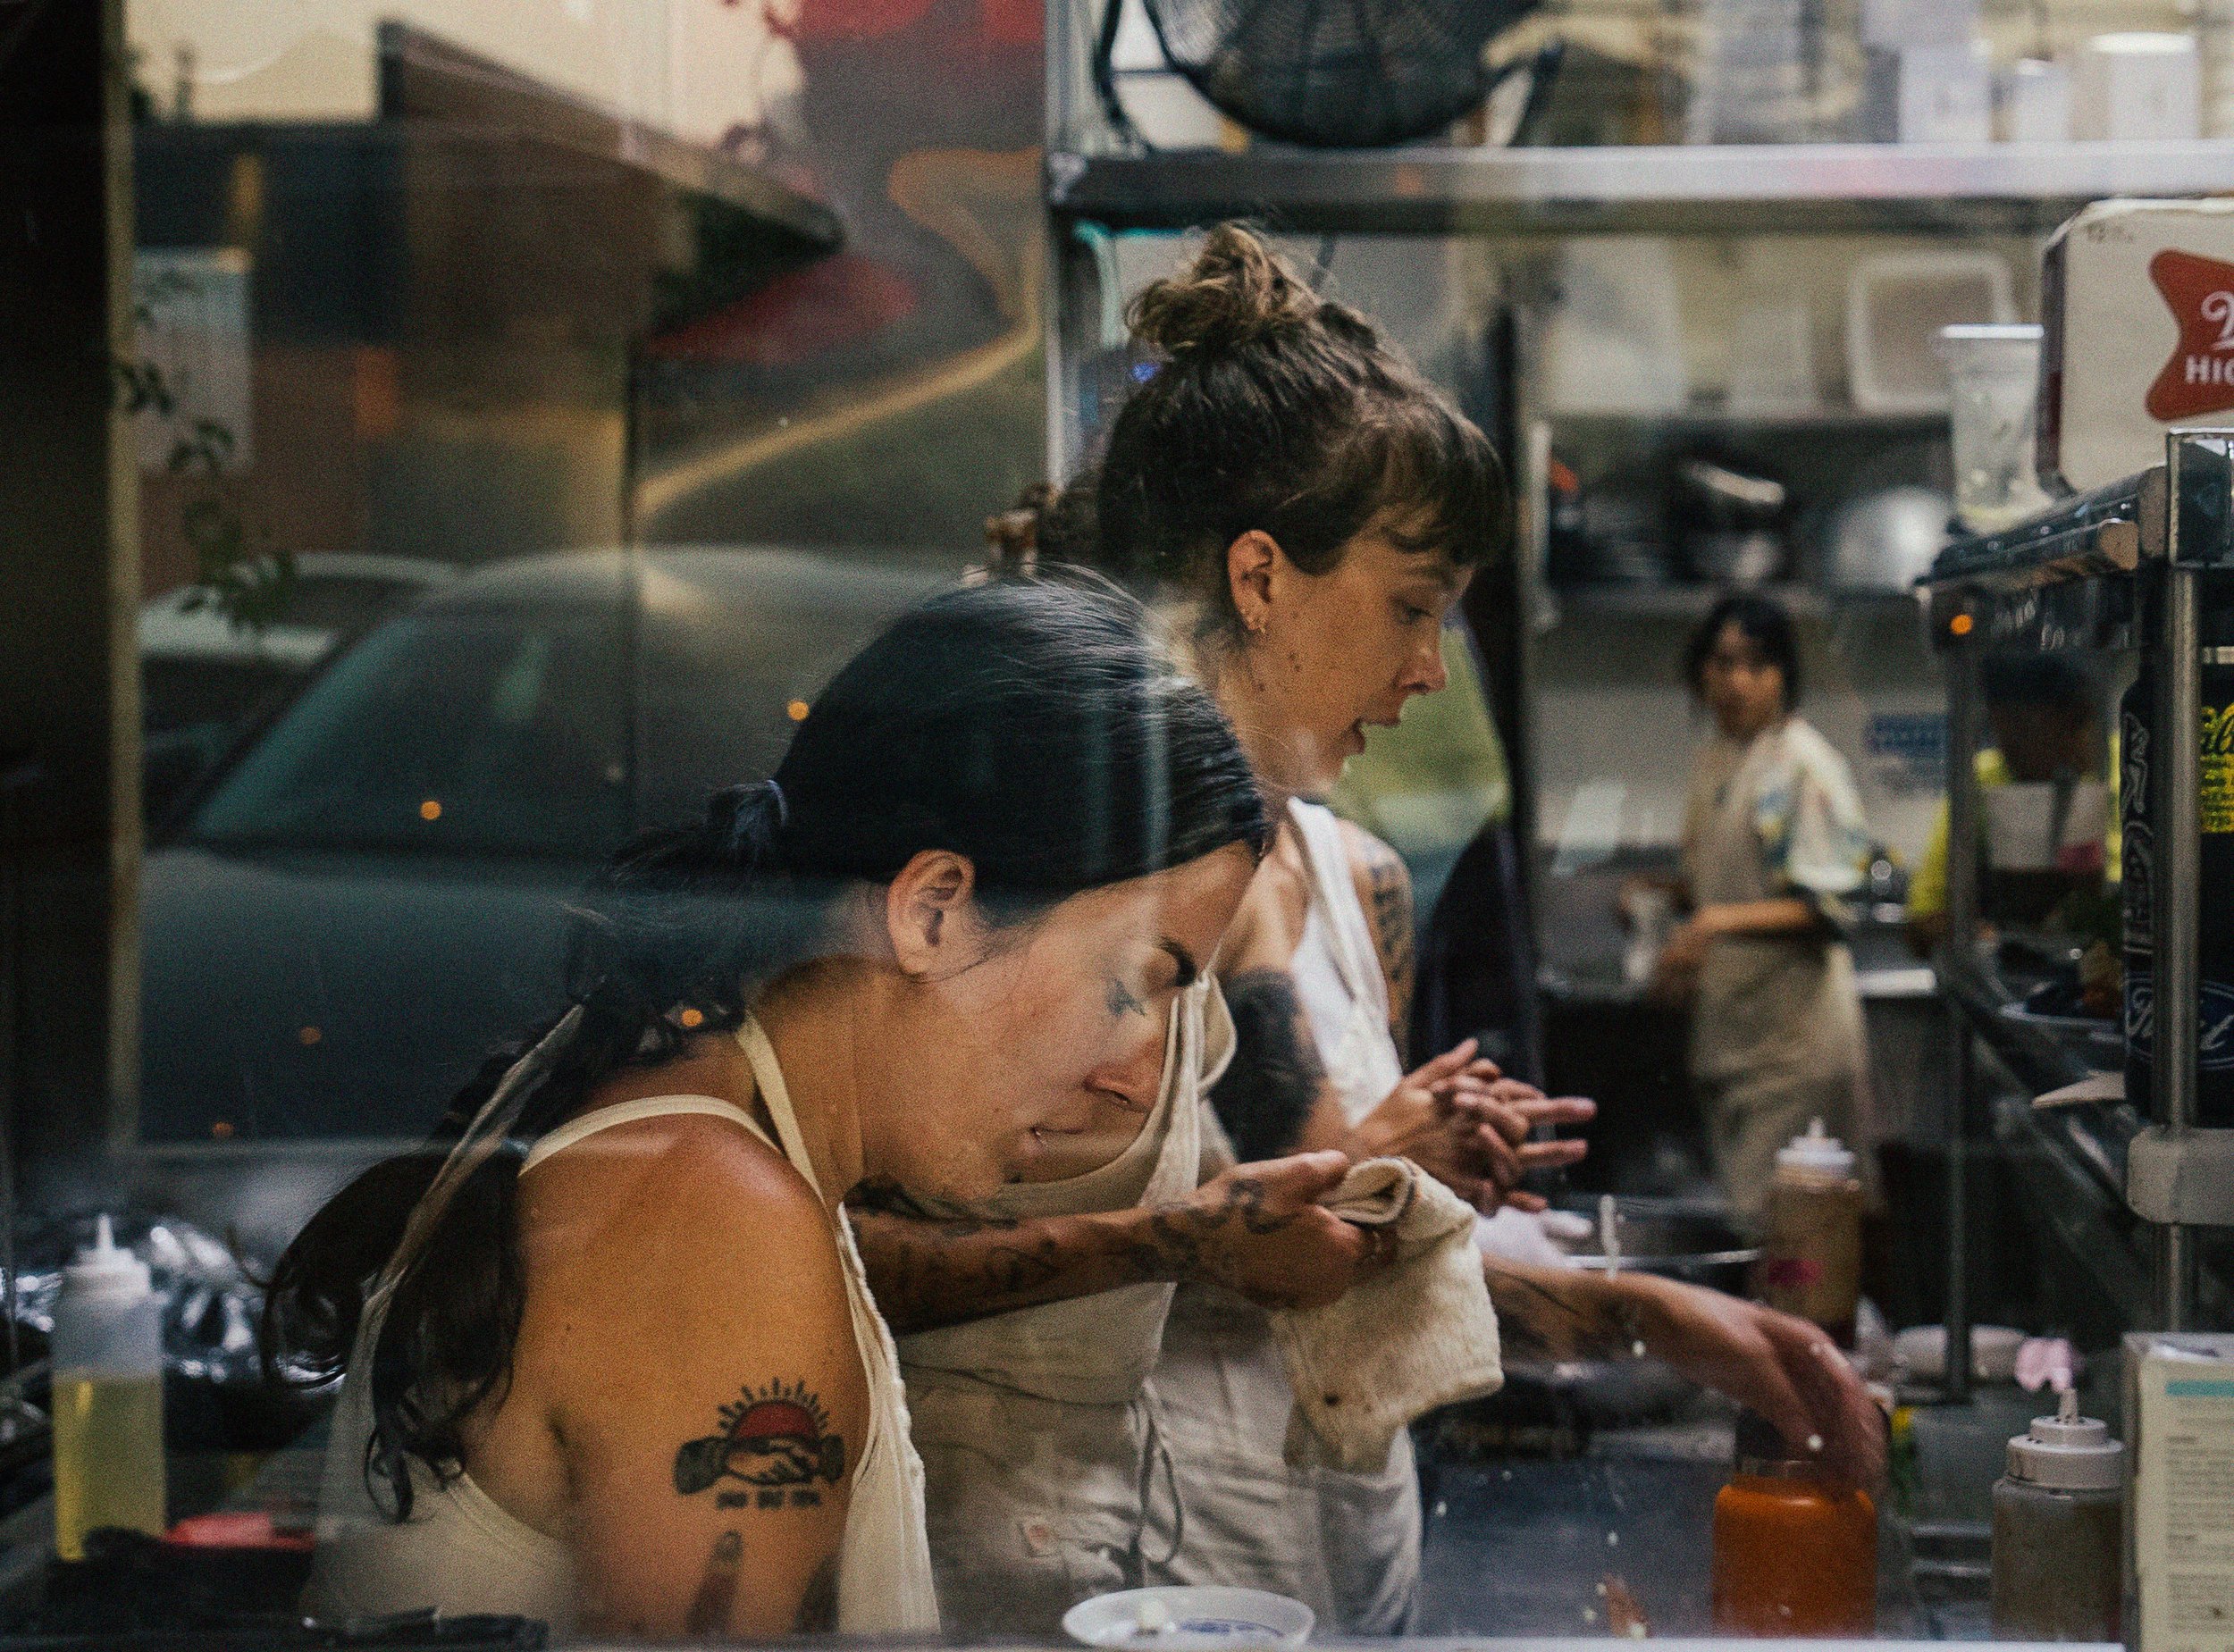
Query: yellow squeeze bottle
108,1354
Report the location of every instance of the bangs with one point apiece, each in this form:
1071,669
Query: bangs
1434,481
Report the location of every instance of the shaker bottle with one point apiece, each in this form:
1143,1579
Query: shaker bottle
107,1356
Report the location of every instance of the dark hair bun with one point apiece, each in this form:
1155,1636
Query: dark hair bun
1238,292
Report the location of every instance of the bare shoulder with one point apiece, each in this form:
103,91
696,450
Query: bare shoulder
647,1214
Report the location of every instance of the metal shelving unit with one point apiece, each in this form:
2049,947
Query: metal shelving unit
2120,569
1796,188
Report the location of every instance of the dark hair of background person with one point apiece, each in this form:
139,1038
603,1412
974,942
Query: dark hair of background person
1272,408
1763,622
1029,727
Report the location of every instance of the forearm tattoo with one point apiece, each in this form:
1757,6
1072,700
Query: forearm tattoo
926,1272
1544,1318
1275,1077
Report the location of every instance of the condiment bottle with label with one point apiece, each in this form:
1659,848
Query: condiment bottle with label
107,1356
2059,1532
1796,1554
1810,1261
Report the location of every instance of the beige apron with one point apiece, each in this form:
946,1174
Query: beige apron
1346,1545
1030,1423
1776,1035
462,1554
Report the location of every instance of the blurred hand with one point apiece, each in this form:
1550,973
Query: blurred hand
1675,972
1783,1368
1259,1229
1465,1123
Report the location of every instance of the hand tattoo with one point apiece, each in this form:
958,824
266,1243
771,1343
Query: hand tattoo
778,1440
1275,1077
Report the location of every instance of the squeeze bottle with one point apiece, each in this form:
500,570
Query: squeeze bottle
2059,1532
1810,1261
107,1351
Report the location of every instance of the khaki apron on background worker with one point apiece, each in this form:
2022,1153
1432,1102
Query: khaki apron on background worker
1776,1034
1031,1425
1346,1545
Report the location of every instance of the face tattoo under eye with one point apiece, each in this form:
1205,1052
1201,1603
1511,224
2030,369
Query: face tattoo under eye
1121,1001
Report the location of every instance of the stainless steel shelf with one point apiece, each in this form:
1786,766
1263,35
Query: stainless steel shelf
1690,600
1797,188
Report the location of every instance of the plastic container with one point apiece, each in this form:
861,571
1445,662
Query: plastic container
2059,1532
1811,1246
107,1353
1994,393
1794,1554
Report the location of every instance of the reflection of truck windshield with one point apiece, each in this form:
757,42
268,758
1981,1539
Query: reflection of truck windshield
461,733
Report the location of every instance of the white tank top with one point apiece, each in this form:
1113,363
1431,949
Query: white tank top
1337,974
460,1553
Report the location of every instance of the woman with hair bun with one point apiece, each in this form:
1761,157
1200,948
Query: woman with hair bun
1306,511
610,1359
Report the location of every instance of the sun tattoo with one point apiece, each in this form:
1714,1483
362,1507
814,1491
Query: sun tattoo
778,1440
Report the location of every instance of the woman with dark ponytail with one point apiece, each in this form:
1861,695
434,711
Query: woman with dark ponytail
609,1359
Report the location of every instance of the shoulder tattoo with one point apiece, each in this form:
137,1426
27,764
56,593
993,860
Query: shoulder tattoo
775,1444
1389,908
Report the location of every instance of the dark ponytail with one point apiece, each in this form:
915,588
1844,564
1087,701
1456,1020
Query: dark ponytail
1274,409
1031,727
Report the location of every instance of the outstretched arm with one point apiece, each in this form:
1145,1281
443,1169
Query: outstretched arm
1782,1367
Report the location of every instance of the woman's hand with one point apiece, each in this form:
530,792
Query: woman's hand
1259,1229
1465,1123
1782,1367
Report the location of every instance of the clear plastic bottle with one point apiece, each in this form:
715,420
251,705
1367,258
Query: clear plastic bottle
1810,1261
1795,1555
107,1352
2059,1532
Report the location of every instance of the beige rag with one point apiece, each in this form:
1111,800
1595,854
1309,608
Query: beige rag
1420,1334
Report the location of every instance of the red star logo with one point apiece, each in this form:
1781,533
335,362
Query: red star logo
2199,378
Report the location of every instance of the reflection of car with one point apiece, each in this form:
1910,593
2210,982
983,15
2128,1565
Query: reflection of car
202,678
372,891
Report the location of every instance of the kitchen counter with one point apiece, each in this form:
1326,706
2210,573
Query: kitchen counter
1522,1547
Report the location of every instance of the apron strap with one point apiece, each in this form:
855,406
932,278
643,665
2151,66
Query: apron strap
1321,837
769,1075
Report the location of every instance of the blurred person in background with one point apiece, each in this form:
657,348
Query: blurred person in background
1774,847
2045,714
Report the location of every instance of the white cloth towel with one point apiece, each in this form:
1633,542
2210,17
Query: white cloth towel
1419,1335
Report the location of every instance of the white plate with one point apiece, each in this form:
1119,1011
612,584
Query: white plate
1201,1620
